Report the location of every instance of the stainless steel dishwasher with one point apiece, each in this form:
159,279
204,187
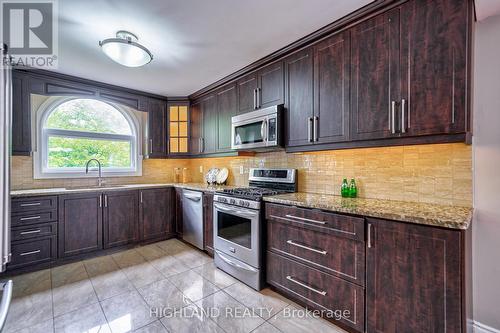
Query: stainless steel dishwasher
192,217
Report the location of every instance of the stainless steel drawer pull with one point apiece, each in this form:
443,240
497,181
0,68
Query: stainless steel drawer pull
403,123
291,242
321,292
29,253
31,204
30,218
393,120
304,219
31,232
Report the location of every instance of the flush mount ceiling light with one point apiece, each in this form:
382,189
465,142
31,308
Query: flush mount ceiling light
125,50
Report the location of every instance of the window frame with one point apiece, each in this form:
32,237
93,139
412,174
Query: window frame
40,160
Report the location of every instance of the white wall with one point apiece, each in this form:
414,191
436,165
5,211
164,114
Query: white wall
486,151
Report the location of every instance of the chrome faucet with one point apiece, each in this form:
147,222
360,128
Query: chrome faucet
99,180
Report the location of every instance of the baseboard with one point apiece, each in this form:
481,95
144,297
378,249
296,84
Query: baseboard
482,328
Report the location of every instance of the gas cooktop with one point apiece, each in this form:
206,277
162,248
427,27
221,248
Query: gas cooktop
250,193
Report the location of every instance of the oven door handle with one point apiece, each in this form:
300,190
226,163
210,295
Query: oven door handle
232,263
238,212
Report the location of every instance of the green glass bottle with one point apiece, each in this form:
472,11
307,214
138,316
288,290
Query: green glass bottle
353,190
344,189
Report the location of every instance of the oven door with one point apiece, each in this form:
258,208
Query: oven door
237,233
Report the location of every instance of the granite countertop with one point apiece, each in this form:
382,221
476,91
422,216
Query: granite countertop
82,189
453,217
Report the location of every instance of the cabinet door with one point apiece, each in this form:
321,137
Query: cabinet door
178,211
208,223
413,278
209,109
80,223
226,109
157,213
195,128
121,218
157,129
331,88
299,97
21,115
434,71
375,76
246,87
271,85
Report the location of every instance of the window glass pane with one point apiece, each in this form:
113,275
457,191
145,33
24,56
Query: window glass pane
68,152
174,113
183,129
183,111
174,129
89,116
174,145
183,145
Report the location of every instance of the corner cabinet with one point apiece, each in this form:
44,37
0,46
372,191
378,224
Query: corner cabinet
80,223
157,213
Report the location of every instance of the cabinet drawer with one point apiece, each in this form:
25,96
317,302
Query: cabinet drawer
34,231
318,290
33,204
33,217
342,225
340,256
32,252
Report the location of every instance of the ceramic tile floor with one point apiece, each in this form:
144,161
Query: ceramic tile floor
171,280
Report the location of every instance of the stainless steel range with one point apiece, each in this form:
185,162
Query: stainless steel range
238,217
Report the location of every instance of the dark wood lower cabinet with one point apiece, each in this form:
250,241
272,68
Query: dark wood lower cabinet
178,212
80,223
121,218
208,222
157,211
413,278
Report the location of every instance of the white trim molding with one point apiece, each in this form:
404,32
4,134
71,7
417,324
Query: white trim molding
482,328
40,171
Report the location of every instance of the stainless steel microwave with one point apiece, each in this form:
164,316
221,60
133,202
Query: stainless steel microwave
259,129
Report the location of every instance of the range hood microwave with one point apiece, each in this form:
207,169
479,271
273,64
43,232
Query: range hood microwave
257,130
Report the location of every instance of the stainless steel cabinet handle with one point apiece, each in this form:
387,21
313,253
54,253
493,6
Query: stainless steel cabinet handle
202,145
304,219
310,129
321,292
403,123
31,204
369,236
31,232
105,200
393,121
258,97
255,99
141,196
291,242
150,146
29,253
315,130
199,145
30,218
100,201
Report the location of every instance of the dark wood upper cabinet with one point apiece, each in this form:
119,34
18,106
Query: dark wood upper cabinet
271,83
80,223
331,88
413,279
157,136
246,88
121,218
21,115
157,209
434,67
210,129
375,83
226,109
195,128
299,97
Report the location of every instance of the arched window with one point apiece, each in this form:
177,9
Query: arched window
73,131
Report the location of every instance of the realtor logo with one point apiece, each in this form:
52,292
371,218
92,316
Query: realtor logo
29,29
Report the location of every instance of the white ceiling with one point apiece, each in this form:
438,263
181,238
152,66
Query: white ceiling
487,8
194,42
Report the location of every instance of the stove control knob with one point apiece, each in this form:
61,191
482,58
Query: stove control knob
241,203
247,204
233,201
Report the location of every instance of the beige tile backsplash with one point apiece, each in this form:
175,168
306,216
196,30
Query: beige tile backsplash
440,173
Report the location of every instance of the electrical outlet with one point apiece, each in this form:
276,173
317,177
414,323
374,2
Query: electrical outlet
201,168
242,170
